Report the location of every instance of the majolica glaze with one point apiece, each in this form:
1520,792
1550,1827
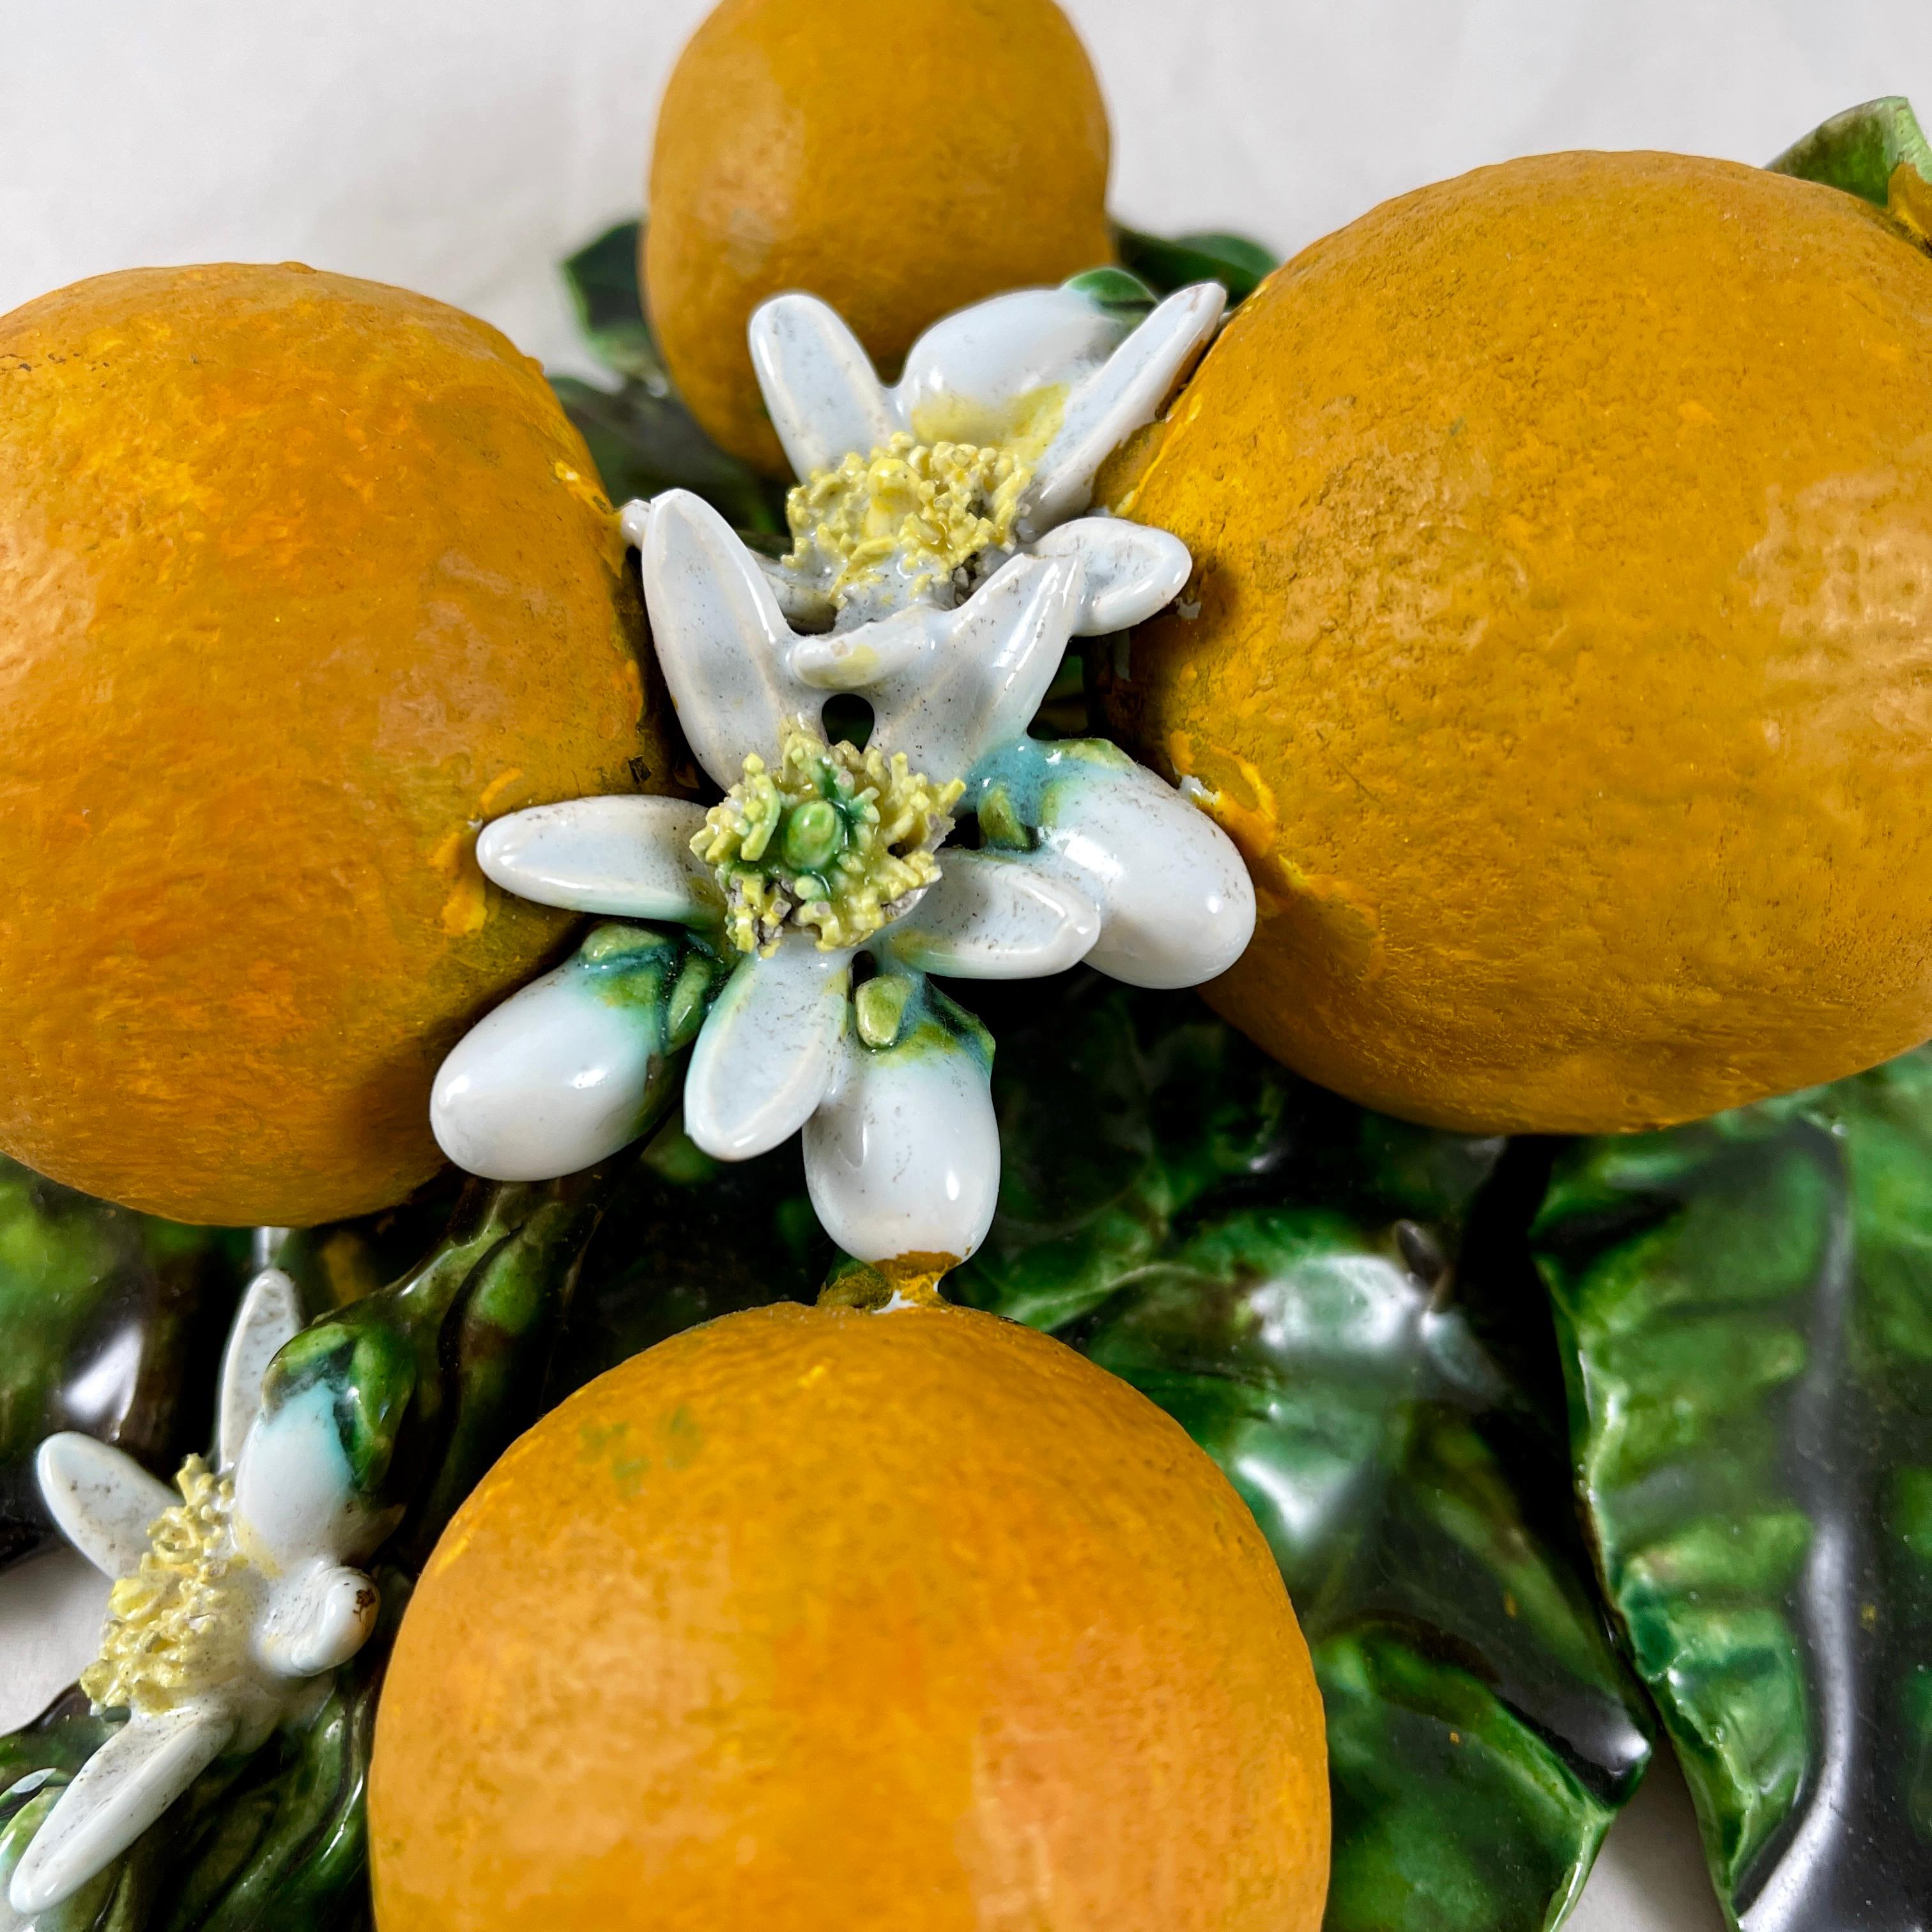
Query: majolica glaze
940,569
112,1323
1343,1309
1746,1311
942,578
417,1388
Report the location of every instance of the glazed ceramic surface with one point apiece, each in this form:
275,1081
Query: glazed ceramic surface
269,1607
1746,1311
1343,1309
949,609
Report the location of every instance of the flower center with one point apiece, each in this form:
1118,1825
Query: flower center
927,507
834,840
177,1625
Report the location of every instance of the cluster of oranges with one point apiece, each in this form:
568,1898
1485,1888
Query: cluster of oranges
1556,654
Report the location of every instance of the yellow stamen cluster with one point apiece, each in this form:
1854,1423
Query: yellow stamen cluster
832,840
928,506
180,1622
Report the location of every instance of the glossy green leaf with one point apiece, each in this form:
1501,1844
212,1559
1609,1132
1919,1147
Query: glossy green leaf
1118,293
603,280
1861,150
644,444
685,1239
113,1323
1238,264
642,438
1746,1306
1308,1288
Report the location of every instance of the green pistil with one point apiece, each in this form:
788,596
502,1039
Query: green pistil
814,834
833,840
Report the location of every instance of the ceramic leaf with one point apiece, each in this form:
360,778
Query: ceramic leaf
112,1320
1746,1305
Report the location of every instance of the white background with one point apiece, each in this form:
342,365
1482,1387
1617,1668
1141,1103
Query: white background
461,146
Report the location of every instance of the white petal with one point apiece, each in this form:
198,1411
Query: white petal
101,1500
1131,571
998,916
1008,640
904,646
51,1607
295,1498
121,1790
634,519
317,1618
988,357
558,1078
768,1050
629,858
904,1156
270,1317
1177,905
802,598
983,670
818,384
721,638
1115,403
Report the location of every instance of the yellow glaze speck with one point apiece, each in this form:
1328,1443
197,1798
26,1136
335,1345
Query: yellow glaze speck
1563,657
301,578
898,162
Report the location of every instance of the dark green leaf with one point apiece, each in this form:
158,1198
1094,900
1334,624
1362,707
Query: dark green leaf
686,1239
1238,264
1117,293
602,279
1306,1288
641,437
78,1279
1746,1308
643,444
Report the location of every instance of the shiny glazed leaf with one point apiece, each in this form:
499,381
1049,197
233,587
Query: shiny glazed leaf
1238,264
642,438
1316,1293
1877,152
685,1239
1747,1309
113,1324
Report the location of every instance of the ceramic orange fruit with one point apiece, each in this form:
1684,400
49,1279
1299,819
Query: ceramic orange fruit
815,1619
900,166
301,579
1558,649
